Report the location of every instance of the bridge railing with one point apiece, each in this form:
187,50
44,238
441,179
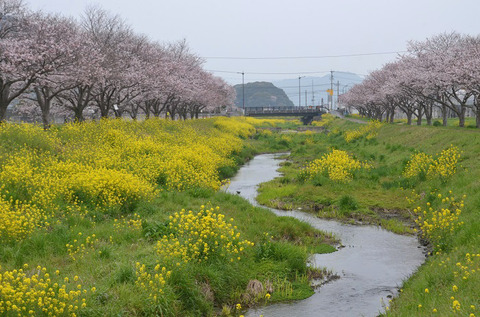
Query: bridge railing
266,110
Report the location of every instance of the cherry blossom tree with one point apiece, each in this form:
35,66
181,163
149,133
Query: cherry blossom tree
438,68
11,16
99,63
14,78
442,71
470,72
65,46
110,35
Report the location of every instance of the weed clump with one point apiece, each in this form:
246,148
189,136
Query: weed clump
425,167
337,165
368,131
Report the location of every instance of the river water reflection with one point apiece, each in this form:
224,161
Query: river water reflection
371,266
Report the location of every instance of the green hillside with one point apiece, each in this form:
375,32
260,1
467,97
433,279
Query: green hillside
261,94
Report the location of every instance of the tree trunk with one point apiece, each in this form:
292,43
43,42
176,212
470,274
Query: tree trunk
4,102
44,100
409,118
444,115
46,120
103,112
419,118
476,110
461,117
387,115
428,111
147,112
428,116
3,112
79,115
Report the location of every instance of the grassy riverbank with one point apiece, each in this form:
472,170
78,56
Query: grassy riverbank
126,218
378,176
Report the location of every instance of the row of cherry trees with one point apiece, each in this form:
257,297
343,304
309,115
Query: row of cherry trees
441,73
55,64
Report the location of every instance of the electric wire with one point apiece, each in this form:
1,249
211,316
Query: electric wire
304,57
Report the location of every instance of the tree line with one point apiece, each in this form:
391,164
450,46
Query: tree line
98,64
440,73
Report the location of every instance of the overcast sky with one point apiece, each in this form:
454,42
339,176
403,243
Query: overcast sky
281,28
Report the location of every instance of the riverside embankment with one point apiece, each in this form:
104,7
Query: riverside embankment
371,262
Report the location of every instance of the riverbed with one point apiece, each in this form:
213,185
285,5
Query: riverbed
372,262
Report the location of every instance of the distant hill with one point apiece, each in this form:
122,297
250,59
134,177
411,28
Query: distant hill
262,94
320,86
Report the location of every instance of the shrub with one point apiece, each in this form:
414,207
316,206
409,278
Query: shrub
347,203
439,224
337,165
201,237
424,166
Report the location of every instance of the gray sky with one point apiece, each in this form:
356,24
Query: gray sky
281,28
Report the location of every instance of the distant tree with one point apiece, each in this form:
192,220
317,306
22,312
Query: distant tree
438,68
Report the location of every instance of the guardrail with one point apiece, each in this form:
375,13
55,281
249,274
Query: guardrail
296,110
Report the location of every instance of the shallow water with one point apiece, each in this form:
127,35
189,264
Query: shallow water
371,266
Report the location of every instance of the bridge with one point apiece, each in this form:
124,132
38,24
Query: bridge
306,113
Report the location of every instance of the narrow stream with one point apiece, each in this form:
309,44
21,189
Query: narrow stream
371,266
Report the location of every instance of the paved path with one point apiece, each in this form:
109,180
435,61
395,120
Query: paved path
340,115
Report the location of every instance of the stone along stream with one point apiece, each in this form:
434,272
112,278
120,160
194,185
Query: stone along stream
371,266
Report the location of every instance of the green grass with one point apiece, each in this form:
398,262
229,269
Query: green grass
470,122
110,266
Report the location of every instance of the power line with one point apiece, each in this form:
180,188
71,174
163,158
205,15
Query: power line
349,78
305,57
222,71
290,87
296,73
282,73
275,73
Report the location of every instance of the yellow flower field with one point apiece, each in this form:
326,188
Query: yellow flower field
106,166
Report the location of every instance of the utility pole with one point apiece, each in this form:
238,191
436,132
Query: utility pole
313,96
338,91
331,87
299,91
306,98
243,91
